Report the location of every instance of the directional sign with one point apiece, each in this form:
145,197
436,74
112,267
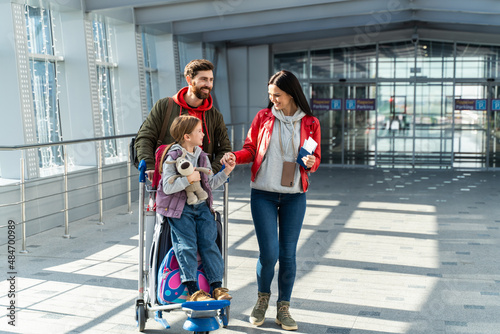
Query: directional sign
360,104
350,104
336,104
495,104
326,104
481,104
470,104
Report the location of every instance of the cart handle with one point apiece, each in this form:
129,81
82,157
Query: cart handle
142,171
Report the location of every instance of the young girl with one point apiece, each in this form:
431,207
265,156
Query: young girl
193,227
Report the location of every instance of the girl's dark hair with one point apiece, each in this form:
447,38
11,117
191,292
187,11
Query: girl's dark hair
183,125
289,83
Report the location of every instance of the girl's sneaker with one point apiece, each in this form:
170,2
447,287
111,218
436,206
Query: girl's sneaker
221,294
199,296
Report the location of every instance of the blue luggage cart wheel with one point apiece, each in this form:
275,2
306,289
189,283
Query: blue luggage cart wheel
202,316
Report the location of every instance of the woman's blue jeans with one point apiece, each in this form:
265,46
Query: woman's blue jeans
277,218
195,232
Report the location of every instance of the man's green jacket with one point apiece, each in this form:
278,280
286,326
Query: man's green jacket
215,142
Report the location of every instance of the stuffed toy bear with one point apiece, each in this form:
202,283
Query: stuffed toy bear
184,167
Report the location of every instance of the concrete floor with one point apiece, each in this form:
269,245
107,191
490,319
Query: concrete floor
381,251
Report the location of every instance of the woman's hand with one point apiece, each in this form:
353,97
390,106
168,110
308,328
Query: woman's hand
229,161
229,158
309,160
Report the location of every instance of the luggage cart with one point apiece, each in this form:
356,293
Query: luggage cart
203,316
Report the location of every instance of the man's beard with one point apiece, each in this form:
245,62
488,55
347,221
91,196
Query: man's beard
199,93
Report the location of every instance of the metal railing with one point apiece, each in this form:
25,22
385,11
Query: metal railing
236,132
66,191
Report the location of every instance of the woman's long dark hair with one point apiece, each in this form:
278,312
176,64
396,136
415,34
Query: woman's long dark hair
289,83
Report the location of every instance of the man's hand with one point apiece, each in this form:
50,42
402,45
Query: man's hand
150,174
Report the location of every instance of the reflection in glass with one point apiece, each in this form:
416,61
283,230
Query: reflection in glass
360,62
477,61
100,42
150,64
415,86
106,107
295,62
39,30
44,86
105,86
48,125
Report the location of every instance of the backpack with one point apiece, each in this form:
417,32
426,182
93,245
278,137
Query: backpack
133,152
170,287
159,156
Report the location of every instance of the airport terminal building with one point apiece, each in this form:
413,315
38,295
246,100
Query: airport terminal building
395,83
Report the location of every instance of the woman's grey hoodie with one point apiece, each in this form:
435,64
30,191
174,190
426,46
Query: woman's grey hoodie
268,177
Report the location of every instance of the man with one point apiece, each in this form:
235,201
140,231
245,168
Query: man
194,100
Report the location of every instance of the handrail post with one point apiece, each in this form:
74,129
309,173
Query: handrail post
225,231
129,187
233,129
66,196
142,186
23,209
243,135
99,182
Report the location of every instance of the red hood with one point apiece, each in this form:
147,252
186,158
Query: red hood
179,99
198,112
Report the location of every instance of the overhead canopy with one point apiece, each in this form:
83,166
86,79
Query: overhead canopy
251,22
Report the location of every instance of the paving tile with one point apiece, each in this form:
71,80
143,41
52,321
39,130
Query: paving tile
420,258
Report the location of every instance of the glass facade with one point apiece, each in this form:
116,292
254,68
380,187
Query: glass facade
398,103
150,64
105,83
43,69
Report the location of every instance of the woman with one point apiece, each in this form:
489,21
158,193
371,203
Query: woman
279,185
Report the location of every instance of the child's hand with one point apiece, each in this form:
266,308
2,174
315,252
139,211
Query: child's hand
229,161
229,167
194,177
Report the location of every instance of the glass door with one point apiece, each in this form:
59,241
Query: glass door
493,158
470,126
433,124
359,137
347,133
331,122
395,125
415,124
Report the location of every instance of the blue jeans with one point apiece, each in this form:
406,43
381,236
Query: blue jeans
278,220
195,232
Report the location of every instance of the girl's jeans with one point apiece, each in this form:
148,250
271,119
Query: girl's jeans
277,218
196,231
